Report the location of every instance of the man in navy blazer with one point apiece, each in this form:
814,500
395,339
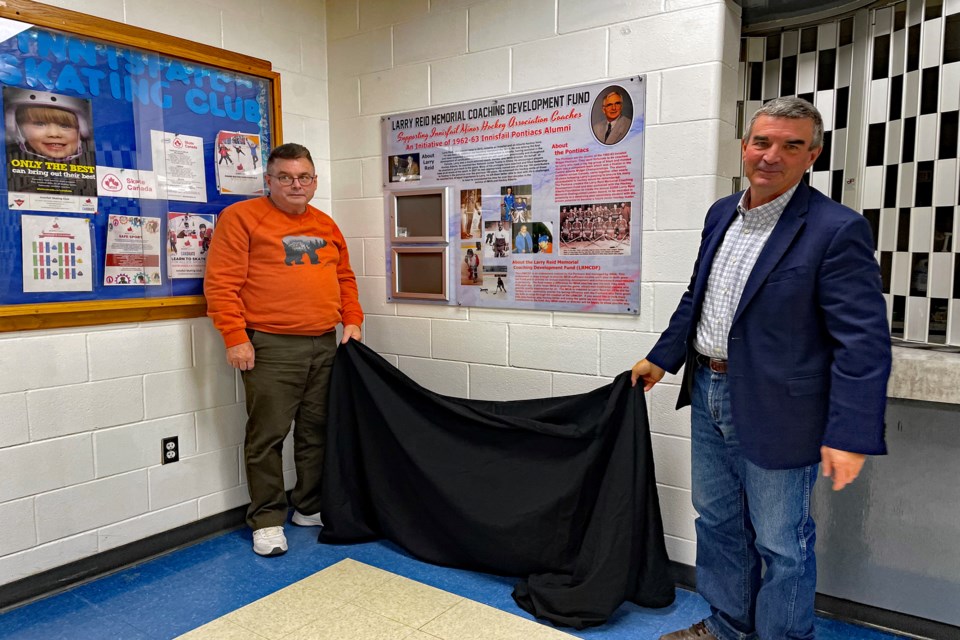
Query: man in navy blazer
786,352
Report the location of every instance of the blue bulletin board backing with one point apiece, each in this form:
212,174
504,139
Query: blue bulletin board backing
147,135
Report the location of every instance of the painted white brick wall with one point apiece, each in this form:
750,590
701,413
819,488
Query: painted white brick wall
90,505
555,349
430,37
448,378
567,384
38,467
535,64
82,411
194,477
488,71
22,536
88,406
476,49
398,89
500,23
14,428
135,351
503,383
46,361
483,342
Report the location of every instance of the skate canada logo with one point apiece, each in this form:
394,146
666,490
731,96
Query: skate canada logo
111,182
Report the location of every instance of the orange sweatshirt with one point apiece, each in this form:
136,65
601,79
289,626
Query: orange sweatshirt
279,273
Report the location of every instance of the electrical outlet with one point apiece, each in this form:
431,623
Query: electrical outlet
170,449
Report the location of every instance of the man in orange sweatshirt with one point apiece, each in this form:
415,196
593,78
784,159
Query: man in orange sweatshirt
278,283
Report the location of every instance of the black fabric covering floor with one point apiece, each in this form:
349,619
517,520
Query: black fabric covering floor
560,491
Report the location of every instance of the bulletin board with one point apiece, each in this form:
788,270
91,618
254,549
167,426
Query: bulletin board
121,148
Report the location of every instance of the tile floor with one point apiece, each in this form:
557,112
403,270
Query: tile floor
218,589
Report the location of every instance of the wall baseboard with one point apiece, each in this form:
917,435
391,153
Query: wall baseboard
685,576
47,583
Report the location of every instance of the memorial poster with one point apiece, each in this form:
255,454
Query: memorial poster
545,190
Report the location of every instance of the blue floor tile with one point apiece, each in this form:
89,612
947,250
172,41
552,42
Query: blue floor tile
66,617
185,589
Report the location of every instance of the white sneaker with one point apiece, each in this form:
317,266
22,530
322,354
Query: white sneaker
269,541
302,520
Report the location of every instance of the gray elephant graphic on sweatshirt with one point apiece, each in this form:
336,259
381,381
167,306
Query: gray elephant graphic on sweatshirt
296,246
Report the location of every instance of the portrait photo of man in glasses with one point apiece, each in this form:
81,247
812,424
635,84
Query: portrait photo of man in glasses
612,115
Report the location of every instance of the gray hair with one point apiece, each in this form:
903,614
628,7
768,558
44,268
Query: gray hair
794,108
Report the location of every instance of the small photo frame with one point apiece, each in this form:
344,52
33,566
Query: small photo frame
419,215
419,273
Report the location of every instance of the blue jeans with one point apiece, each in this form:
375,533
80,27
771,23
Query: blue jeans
748,514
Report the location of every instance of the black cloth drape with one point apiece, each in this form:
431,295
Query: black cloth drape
560,490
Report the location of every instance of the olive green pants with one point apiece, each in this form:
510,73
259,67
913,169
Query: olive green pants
288,383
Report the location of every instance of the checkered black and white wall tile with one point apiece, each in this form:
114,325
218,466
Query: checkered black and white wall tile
887,81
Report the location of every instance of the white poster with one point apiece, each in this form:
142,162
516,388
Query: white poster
56,254
544,191
132,251
239,167
188,239
179,166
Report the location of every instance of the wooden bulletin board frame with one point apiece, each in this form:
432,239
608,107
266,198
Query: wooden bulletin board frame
18,317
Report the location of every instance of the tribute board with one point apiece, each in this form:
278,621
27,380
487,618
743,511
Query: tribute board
539,197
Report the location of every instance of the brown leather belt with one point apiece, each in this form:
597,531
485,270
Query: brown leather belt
714,364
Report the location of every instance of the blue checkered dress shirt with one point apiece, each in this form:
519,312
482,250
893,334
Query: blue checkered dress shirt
731,267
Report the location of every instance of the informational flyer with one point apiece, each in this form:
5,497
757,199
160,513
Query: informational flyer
544,191
50,158
188,239
179,166
56,254
132,251
239,166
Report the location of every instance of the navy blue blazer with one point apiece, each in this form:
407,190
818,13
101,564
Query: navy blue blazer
809,347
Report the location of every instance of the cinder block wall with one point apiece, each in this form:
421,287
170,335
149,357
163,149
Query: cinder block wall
387,57
82,411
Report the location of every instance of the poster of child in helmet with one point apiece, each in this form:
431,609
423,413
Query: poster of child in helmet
49,143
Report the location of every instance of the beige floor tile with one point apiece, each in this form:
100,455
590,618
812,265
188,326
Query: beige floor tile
407,601
220,629
346,580
470,620
420,635
352,623
282,612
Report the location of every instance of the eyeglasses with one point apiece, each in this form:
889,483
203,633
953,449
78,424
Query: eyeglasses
286,181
